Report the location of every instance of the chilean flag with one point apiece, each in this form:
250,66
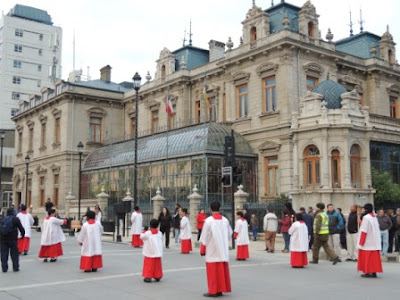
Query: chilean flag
168,106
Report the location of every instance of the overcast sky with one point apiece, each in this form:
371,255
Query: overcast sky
129,34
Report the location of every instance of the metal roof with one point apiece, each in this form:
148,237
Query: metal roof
101,85
276,14
194,57
208,138
30,13
359,45
332,92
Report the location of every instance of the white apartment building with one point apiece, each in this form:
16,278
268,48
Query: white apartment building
30,58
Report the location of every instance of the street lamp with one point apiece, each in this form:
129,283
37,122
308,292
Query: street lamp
27,161
80,152
136,85
2,136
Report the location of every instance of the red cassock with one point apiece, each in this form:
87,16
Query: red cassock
152,251
51,251
91,251
52,237
298,244
136,241
241,234
23,244
186,246
298,259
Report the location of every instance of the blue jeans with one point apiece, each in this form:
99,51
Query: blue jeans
177,231
286,237
385,241
255,231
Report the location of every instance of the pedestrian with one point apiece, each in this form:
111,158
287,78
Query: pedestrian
90,239
9,227
321,235
152,252
270,227
393,230
137,227
352,233
298,242
369,244
241,234
246,216
285,225
398,230
165,220
307,220
48,205
291,212
311,214
215,241
52,237
335,228
186,233
343,241
200,218
177,222
254,226
385,224
98,213
26,221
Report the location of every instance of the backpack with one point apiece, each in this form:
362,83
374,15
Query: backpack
6,225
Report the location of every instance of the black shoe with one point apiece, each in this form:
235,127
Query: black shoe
94,270
367,275
45,260
313,262
212,295
25,252
16,270
336,260
147,280
53,260
4,271
349,259
355,260
167,247
87,271
219,294
157,279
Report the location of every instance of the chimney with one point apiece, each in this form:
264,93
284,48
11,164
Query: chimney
217,50
105,73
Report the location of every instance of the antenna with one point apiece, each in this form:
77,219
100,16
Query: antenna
361,21
190,33
272,2
351,24
184,38
73,52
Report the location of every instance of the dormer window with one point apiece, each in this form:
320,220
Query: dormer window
253,35
310,29
163,71
390,56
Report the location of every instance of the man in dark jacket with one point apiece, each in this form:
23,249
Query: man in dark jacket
307,220
352,234
9,241
385,224
393,230
335,227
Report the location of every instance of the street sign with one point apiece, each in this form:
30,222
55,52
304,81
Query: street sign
226,177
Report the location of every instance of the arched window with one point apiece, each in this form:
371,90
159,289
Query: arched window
310,29
311,166
253,35
390,56
355,165
335,169
163,71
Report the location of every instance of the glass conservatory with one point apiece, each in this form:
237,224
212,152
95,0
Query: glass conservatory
173,161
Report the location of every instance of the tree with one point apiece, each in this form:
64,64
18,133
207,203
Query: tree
386,189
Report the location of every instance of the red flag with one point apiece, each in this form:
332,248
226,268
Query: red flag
168,106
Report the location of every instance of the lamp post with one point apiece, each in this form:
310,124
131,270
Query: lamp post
136,85
2,136
27,161
80,151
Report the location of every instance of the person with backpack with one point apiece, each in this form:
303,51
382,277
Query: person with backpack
9,227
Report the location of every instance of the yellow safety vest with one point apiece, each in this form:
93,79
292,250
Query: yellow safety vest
324,224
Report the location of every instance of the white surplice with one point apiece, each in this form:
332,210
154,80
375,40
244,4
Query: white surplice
241,228
186,230
52,232
26,221
90,238
152,244
298,237
370,226
137,223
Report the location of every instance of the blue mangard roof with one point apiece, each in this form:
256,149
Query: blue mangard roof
359,45
278,12
101,85
201,139
194,57
331,91
30,13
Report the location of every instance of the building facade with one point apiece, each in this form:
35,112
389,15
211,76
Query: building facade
317,114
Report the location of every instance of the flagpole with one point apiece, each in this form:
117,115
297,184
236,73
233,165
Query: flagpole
166,159
205,168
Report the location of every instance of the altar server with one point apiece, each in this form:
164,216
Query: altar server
152,252
137,227
241,234
298,242
26,221
186,233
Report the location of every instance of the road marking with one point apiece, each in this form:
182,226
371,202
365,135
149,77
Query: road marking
65,282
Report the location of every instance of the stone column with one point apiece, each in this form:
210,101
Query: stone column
158,203
102,200
194,202
241,198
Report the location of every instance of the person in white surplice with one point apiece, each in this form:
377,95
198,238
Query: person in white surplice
298,242
186,233
90,239
26,221
137,227
241,234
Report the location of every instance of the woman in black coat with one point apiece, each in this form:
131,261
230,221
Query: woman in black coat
165,221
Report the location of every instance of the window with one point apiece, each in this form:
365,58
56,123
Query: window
16,80
154,120
133,127
39,68
42,196
95,130
312,82
269,94
310,29
224,108
335,169
43,136
17,64
14,112
271,176
56,180
58,89
57,129
15,96
30,139
172,118
163,71
355,165
390,56
40,52
18,48
311,166
211,110
253,35
19,32
55,196
40,37
198,111
394,113
242,101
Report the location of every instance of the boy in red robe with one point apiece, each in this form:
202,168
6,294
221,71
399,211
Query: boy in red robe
152,252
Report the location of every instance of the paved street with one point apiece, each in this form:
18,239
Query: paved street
263,276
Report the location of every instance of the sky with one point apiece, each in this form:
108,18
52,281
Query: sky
128,35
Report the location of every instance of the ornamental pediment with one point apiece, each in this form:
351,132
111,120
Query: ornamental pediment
41,170
96,111
267,69
269,146
313,68
153,104
55,168
240,77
